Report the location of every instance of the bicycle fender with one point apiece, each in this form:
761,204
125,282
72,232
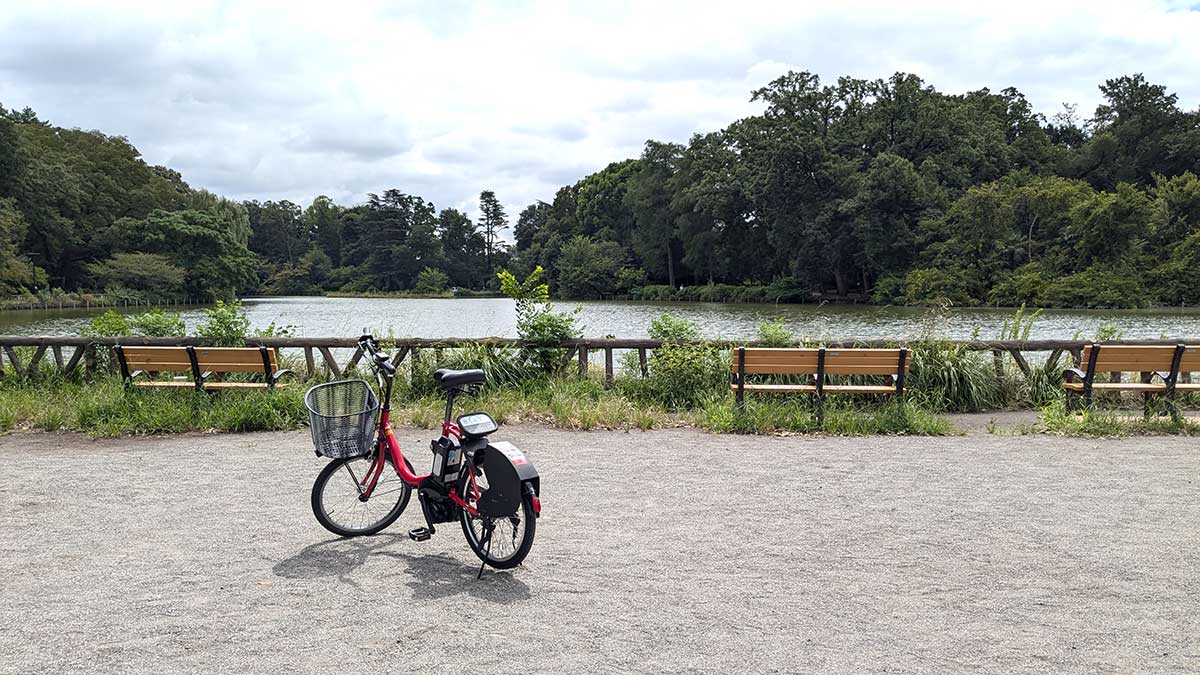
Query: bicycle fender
507,470
526,472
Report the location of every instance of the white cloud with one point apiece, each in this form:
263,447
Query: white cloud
291,100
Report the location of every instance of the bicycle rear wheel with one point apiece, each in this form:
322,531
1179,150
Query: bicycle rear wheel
503,542
337,504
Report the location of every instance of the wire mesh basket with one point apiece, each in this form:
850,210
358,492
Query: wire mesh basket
341,416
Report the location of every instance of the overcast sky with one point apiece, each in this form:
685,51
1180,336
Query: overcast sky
444,99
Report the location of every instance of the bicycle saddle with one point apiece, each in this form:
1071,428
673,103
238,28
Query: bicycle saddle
454,379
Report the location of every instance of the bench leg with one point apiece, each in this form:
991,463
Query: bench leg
820,411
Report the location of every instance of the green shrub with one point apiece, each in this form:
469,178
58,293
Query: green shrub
654,292
948,376
775,334
1095,288
1024,285
935,287
108,324
226,324
681,374
887,290
157,323
670,328
432,281
538,324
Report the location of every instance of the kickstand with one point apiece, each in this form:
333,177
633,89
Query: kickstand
487,544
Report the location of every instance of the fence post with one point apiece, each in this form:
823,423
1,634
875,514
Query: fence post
642,361
583,361
89,361
608,366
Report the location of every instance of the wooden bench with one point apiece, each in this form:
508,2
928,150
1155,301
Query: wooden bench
819,364
200,363
1165,362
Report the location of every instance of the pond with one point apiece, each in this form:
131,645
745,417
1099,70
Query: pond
482,317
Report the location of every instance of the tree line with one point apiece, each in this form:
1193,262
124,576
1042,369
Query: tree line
891,191
883,190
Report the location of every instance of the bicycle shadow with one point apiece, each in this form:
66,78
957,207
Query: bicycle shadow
434,576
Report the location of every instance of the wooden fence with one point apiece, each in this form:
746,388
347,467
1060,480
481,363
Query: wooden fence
84,351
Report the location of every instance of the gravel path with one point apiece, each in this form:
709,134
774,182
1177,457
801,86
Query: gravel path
661,551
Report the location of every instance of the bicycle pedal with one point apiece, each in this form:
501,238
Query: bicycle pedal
419,534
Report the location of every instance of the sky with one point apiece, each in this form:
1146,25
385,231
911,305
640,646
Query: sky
444,99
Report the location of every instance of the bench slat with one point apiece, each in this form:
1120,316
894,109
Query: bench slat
233,359
1130,358
781,361
170,359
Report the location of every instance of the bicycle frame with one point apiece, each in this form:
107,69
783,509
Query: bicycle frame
389,447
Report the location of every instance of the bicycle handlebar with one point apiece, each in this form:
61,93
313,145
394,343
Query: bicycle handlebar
370,345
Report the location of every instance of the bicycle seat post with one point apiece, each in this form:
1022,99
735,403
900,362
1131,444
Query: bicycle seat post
449,404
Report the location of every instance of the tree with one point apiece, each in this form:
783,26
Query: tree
493,221
396,239
532,219
150,273
1110,226
279,232
589,268
463,248
602,209
431,281
216,266
322,219
17,275
649,197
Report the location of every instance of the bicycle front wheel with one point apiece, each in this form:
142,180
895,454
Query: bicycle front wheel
337,501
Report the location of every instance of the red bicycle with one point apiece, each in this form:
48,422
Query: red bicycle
490,487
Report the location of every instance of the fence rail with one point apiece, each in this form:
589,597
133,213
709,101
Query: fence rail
86,349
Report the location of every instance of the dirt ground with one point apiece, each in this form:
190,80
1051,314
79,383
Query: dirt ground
664,551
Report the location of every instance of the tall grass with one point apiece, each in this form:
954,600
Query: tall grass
947,376
1097,422
843,416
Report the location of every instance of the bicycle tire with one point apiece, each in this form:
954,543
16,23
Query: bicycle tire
484,553
372,526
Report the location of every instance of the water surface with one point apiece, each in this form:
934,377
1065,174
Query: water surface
482,317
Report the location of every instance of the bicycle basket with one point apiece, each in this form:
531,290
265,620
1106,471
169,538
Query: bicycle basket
341,416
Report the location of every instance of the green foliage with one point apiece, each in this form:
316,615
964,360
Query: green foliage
1095,287
883,189
775,334
1097,423
216,266
157,323
948,376
1019,327
538,325
432,281
589,268
670,328
108,324
225,323
934,287
150,273
681,375
843,417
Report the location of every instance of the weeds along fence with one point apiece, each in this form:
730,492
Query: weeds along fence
70,356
